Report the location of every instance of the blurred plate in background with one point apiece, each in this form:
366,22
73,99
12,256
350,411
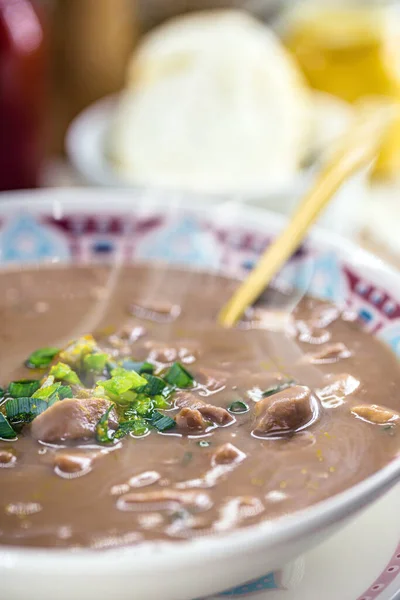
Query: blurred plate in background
86,145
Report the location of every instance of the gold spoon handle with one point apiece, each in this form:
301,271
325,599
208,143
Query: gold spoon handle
356,149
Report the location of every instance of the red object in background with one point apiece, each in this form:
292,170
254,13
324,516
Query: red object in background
22,94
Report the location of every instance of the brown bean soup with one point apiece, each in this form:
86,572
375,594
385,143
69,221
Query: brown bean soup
142,419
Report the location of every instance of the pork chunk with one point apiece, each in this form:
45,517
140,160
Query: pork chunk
72,419
216,414
7,458
379,415
284,411
73,462
227,454
330,353
212,379
165,499
190,419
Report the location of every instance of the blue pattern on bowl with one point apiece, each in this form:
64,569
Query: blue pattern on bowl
320,275
184,241
24,239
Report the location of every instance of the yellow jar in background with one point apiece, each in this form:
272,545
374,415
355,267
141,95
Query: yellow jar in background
351,50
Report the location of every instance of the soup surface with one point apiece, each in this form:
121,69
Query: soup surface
154,423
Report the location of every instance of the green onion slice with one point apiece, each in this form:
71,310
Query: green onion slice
102,428
177,375
48,391
204,444
110,366
63,372
23,388
75,352
47,381
121,382
95,363
139,367
144,407
238,406
65,391
138,427
24,410
154,386
162,422
168,391
160,402
40,359
53,397
6,431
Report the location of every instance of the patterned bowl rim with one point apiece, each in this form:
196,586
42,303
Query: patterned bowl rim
266,535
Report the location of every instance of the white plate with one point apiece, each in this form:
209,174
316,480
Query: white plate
86,143
361,562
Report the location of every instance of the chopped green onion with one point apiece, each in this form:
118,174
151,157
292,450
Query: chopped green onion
121,381
204,444
24,410
238,407
162,422
138,427
123,430
102,429
144,407
6,431
53,398
134,378
274,389
130,413
177,375
99,391
168,391
154,386
161,402
111,365
127,397
63,372
40,359
75,352
2,392
48,391
65,391
139,367
23,388
95,363
47,381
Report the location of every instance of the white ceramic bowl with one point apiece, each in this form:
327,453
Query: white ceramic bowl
86,143
84,225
